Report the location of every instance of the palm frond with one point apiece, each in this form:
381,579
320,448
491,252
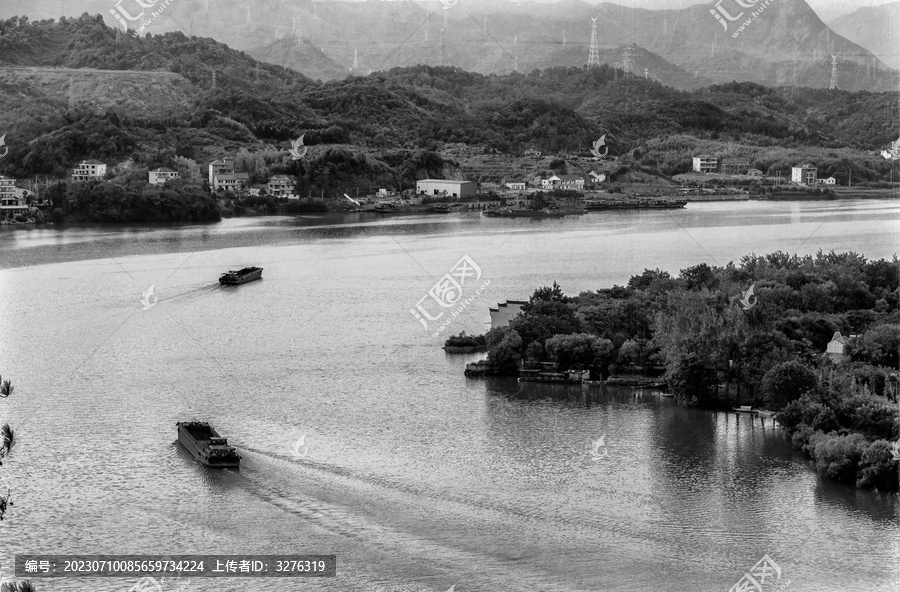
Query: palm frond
7,440
25,586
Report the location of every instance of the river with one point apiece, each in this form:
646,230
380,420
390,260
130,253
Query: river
414,476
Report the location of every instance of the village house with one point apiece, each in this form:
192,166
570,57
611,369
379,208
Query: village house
706,164
231,181
505,312
516,185
222,166
281,185
161,175
563,182
804,174
597,177
88,170
829,181
734,166
838,349
533,152
12,199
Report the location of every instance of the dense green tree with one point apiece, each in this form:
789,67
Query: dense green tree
787,382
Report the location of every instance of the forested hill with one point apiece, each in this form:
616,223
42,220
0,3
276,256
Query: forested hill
77,89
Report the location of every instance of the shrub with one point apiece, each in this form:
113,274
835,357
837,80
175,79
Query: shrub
877,467
837,457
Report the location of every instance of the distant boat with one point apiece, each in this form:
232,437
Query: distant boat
248,274
746,409
206,445
441,208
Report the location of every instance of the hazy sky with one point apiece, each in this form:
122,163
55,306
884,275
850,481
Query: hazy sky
826,9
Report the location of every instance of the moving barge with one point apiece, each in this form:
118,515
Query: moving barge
248,274
206,445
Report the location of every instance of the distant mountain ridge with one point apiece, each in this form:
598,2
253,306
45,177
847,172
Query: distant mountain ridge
876,28
687,48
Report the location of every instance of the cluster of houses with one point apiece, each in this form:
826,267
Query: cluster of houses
802,174
574,182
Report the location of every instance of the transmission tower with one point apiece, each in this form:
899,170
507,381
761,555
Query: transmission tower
441,63
594,55
516,64
646,73
627,59
214,80
355,59
564,37
833,84
794,74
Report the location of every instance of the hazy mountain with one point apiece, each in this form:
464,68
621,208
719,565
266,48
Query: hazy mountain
874,28
685,47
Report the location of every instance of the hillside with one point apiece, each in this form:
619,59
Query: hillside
167,100
874,28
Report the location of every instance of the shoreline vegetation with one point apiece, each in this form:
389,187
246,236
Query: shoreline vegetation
755,333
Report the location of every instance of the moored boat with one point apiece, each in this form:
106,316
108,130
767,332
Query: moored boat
206,445
242,276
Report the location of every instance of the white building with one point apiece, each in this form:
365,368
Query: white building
829,181
805,174
505,312
223,165
838,348
516,185
161,175
446,187
12,201
706,164
563,182
231,181
88,170
597,177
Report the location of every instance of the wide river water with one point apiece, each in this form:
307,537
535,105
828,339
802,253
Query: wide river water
416,477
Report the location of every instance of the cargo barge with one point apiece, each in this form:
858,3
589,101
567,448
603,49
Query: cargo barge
242,276
206,445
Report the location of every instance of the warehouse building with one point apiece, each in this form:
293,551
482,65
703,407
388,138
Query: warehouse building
446,187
